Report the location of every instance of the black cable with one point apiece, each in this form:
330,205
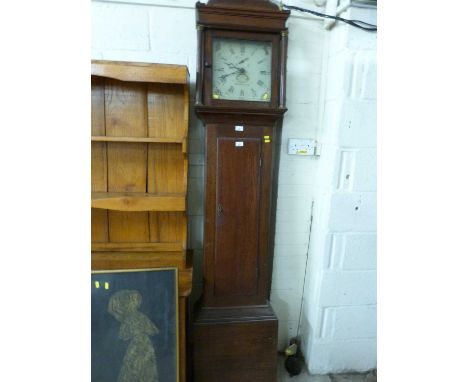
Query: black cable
355,23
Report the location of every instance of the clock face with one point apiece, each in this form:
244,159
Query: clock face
241,70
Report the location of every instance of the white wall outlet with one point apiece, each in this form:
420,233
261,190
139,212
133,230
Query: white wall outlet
301,146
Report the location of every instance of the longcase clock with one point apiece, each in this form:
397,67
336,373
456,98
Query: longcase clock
241,81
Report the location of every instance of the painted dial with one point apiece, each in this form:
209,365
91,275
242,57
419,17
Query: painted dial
241,70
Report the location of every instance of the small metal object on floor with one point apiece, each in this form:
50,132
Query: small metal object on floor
283,376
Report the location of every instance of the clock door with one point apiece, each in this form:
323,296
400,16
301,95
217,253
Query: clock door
238,185
237,214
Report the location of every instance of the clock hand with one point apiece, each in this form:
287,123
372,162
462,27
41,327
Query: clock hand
239,70
242,61
235,67
226,75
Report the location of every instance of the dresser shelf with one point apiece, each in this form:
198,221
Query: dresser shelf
121,201
137,247
97,138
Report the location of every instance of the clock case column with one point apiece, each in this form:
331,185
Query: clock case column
235,329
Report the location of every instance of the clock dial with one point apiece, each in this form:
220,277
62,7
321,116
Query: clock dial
241,70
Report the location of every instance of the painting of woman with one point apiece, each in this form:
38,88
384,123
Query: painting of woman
139,363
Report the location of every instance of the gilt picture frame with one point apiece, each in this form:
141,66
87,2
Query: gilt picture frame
134,325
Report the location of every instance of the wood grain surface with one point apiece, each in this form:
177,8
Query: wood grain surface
140,71
139,126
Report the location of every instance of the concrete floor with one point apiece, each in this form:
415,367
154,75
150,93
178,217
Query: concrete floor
283,376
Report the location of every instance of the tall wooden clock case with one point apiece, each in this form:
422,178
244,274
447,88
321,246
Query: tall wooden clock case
240,96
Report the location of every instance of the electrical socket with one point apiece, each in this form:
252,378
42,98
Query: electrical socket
301,146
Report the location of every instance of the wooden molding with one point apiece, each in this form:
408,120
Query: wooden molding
137,247
263,5
105,138
140,72
258,15
119,261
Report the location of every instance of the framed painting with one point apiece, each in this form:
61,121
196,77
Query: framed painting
134,326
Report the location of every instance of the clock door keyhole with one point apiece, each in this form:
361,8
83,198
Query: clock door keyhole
219,209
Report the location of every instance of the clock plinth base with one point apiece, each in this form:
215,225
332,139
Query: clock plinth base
235,344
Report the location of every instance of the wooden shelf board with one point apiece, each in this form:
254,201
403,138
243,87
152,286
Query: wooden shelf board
121,201
115,261
96,138
137,247
123,260
141,72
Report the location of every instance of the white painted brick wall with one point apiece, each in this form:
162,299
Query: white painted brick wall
352,251
365,170
360,321
347,288
123,27
352,211
338,320
339,354
288,265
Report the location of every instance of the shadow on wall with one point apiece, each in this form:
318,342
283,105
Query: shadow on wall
283,332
